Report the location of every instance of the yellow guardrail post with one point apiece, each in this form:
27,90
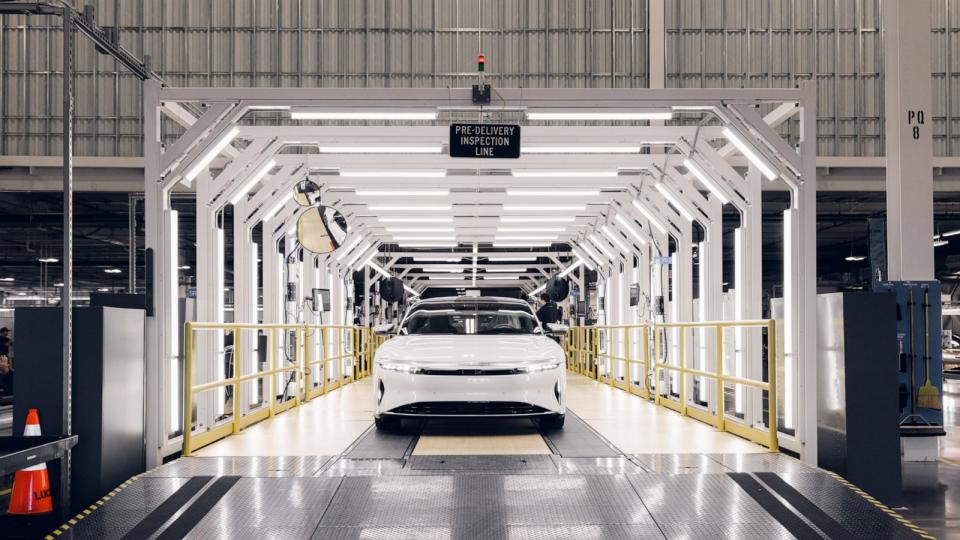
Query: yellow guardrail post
236,381
271,366
189,350
682,373
657,369
627,358
644,373
772,359
720,409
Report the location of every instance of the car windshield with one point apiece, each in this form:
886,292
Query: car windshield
473,319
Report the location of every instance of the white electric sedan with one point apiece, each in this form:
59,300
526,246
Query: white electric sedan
470,357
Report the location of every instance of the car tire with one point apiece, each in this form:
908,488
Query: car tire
554,421
387,423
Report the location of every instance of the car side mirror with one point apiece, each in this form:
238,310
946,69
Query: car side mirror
383,329
557,328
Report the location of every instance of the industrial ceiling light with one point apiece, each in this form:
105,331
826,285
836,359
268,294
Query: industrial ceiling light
593,254
269,107
276,208
397,219
579,149
674,201
103,289
552,192
446,238
613,238
854,258
538,219
358,253
184,267
510,238
529,173
543,207
507,269
595,240
402,192
410,290
940,242
501,278
585,259
630,229
572,267
214,151
512,259
369,262
521,244
706,180
58,284
599,114
408,208
427,244
759,162
346,249
447,278
340,114
8,279
438,259
49,260
649,215
425,149
419,229
112,270
537,290
951,233
530,229
433,173
254,178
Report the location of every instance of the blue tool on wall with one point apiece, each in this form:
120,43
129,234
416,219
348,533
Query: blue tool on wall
921,356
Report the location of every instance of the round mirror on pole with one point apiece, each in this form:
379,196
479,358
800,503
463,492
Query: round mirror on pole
306,193
558,288
321,229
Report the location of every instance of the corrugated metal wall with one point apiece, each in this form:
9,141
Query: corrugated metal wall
433,43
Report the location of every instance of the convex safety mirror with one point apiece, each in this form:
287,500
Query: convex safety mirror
306,193
320,229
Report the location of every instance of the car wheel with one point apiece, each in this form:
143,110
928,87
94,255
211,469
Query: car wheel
554,421
387,423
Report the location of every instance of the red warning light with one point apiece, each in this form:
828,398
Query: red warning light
481,62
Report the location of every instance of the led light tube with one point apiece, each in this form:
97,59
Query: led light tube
597,242
256,177
599,114
214,151
628,149
358,253
586,260
530,229
511,238
649,215
410,290
427,244
543,208
616,241
563,174
512,259
500,278
501,270
276,208
593,254
269,107
553,192
395,219
537,290
630,229
424,238
750,154
333,114
348,247
437,259
394,174
572,267
380,149
377,267
521,244
538,219
674,201
706,180
419,229
402,192
408,208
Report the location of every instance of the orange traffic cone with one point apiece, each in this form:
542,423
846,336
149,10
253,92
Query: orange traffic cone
31,486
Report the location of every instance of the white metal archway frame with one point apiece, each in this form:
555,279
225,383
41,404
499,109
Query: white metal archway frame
589,155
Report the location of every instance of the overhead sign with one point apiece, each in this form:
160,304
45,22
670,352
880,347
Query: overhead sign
485,141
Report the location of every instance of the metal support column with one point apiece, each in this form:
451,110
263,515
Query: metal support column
909,120
66,295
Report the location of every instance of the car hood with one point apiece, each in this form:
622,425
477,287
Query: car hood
470,351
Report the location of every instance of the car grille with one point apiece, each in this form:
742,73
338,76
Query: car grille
471,371
460,408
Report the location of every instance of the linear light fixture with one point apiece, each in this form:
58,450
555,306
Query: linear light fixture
501,278
600,114
530,229
346,249
521,244
446,238
510,238
402,192
269,107
940,242
593,254
585,259
512,259
50,260
112,270
706,180
613,238
340,114
572,267
424,149
537,219
254,178
419,229
649,215
674,201
408,207
513,269
447,278
213,152
433,173
438,259
427,244
578,149
543,207
537,290
951,233
854,258
599,243
529,173
276,208
8,279
630,229
398,219
410,290
512,192
760,163
369,262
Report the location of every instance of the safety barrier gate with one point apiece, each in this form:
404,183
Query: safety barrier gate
632,370
317,359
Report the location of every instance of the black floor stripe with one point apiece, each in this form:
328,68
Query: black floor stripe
805,506
200,507
774,507
167,509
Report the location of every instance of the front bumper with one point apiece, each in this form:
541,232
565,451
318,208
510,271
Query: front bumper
528,394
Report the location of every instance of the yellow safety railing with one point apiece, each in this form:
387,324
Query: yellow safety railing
345,355
630,372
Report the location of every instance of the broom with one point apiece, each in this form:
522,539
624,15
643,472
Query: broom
927,395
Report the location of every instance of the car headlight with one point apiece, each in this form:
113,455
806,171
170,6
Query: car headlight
400,368
537,368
